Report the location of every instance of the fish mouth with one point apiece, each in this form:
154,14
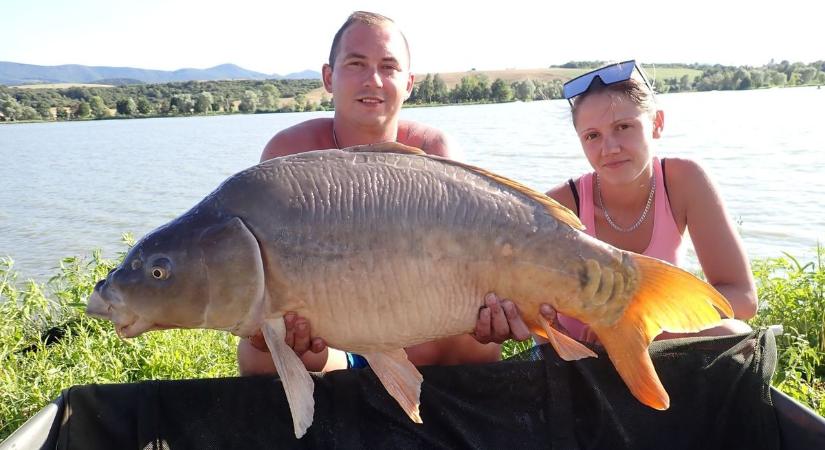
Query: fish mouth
98,307
134,328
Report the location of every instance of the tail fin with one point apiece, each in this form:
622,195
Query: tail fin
668,299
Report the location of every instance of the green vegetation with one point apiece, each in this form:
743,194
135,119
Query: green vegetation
47,343
793,294
229,97
477,88
158,100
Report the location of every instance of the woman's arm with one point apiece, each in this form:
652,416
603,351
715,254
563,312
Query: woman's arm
717,243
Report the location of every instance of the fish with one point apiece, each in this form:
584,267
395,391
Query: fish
382,247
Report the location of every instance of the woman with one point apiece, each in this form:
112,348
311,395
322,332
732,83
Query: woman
635,201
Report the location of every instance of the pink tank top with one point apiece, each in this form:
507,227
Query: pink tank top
665,243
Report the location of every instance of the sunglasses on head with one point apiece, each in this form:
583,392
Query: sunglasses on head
614,73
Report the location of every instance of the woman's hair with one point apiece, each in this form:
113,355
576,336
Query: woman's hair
633,89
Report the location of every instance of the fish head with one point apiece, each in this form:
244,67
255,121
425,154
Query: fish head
185,274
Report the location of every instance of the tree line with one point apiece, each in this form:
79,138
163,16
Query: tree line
228,97
152,100
477,88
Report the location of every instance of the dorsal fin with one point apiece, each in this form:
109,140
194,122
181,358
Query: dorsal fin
554,208
386,147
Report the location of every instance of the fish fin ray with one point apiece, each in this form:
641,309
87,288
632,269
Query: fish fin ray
627,347
400,378
667,299
568,348
554,208
386,147
297,382
672,299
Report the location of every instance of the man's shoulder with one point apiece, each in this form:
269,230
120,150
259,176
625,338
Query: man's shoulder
301,137
428,138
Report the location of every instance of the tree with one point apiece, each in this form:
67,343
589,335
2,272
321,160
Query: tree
83,110
685,83
144,106
126,107
440,92
778,79
249,102
269,96
807,74
10,108
98,107
425,90
203,103
524,90
501,91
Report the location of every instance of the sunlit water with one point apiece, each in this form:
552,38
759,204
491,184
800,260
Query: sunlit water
68,188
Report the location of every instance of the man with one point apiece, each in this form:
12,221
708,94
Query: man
369,75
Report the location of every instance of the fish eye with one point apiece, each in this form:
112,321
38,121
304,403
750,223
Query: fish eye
161,269
160,273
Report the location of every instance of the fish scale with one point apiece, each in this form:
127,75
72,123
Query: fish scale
380,248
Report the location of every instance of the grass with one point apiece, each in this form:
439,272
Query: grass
48,344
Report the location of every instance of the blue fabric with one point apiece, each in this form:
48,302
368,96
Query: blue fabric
356,361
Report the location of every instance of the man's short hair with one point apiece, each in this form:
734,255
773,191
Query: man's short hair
366,18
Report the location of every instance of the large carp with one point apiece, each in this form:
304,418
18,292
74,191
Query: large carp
382,247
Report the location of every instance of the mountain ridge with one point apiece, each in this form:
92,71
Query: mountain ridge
12,73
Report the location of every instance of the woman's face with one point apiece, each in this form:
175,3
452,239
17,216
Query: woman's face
616,135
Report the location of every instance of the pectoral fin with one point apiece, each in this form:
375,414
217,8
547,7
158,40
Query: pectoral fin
401,379
297,382
568,348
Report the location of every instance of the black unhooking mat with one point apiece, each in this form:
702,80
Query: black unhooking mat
719,392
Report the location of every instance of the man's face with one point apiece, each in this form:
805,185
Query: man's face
371,77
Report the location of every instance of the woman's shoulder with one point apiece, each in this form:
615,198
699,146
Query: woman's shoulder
689,186
683,173
563,194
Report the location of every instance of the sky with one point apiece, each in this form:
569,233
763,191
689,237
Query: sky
445,36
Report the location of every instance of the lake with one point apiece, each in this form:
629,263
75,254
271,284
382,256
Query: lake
67,188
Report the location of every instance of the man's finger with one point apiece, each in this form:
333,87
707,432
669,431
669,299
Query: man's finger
501,329
289,323
518,329
301,336
318,345
482,332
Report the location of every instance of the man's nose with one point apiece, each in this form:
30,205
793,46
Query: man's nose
372,78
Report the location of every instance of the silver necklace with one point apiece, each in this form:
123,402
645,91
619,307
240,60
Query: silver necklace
641,218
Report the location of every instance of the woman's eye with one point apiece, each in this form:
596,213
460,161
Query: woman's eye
591,136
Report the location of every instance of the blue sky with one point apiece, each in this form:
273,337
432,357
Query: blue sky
289,36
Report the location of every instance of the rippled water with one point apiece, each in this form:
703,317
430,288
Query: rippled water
68,188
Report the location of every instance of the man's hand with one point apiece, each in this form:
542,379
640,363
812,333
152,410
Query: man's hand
499,320
298,336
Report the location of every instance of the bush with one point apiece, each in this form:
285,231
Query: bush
47,343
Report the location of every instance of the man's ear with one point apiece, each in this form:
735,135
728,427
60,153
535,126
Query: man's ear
410,84
326,75
658,124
